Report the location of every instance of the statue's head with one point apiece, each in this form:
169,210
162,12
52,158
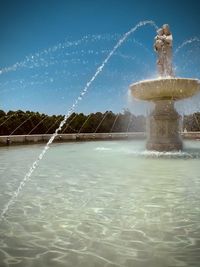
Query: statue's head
166,29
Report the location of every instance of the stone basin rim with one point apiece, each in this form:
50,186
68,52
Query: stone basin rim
165,79
173,88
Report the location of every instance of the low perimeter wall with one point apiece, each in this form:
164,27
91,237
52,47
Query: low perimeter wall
43,138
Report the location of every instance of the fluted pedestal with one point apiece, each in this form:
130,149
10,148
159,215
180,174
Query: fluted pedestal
163,133
163,127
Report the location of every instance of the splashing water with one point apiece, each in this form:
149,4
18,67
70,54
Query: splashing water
59,69
34,58
70,111
169,155
37,59
189,41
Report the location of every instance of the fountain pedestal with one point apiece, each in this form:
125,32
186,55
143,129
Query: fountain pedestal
163,132
163,127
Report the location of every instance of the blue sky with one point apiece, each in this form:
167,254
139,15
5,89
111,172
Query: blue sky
51,49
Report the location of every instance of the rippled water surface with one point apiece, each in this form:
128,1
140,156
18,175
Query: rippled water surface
95,204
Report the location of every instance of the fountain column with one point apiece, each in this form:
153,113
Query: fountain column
163,127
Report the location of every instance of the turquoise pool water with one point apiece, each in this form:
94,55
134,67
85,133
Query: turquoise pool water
94,204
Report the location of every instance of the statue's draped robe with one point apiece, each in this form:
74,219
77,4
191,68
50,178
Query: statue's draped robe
164,52
167,50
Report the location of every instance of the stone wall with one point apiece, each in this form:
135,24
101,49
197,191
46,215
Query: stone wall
43,138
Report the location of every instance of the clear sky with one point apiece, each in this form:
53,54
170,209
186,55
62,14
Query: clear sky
50,49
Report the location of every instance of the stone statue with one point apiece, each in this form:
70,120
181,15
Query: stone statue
163,47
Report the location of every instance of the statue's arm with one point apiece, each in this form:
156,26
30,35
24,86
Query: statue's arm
155,48
169,39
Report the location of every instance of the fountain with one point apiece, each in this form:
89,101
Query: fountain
75,210
163,127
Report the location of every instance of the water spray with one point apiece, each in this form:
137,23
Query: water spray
69,112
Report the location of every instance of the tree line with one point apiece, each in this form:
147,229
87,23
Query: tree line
28,122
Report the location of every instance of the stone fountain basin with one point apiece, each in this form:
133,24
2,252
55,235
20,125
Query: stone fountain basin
165,88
